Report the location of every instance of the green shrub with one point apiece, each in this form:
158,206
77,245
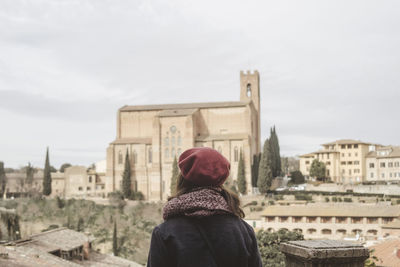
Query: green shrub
326,199
271,202
334,199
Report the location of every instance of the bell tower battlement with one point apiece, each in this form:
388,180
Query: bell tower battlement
250,87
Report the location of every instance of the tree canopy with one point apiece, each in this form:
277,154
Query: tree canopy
318,170
126,178
297,177
64,166
265,175
268,244
47,176
241,176
276,165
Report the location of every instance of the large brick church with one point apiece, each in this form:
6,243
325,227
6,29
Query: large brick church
154,134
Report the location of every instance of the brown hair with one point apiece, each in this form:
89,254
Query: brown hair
184,186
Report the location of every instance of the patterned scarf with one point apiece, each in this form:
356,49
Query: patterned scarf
201,202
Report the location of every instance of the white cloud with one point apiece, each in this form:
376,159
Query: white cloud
328,69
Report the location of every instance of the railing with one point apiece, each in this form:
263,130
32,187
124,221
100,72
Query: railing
324,253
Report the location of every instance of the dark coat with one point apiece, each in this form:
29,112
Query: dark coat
178,243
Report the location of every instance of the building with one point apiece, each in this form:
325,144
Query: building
75,181
153,135
58,247
345,160
387,252
330,221
383,164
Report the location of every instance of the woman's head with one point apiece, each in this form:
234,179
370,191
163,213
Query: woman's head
205,167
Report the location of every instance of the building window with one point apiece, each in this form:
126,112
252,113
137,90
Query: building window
326,219
80,188
349,154
342,154
356,146
173,140
311,219
326,231
88,188
349,163
90,179
172,152
120,158
150,155
297,219
307,162
371,220
283,219
349,172
372,165
341,231
166,153
382,165
166,141
343,146
343,163
356,162
390,164
235,154
356,154
372,175
383,175
397,164
311,231
270,219
348,146
341,220
356,220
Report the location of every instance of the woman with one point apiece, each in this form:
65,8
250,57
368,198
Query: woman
203,223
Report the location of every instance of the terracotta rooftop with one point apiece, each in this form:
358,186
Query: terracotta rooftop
335,210
347,142
186,106
388,253
394,152
57,239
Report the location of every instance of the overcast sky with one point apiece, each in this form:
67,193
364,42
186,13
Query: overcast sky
329,69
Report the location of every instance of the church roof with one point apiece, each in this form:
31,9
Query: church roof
176,112
186,106
137,140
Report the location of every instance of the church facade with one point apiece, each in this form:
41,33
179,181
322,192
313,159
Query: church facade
154,135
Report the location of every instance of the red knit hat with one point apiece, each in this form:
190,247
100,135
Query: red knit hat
204,166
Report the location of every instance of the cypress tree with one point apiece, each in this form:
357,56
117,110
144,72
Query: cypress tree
241,176
126,178
174,177
265,171
47,176
115,240
29,174
3,179
254,169
278,162
79,227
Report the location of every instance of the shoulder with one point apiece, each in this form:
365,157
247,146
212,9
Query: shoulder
172,226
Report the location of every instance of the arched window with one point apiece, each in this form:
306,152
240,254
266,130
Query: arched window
166,141
120,158
248,90
173,140
235,154
179,142
150,155
172,152
90,179
311,231
326,231
298,230
166,153
179,151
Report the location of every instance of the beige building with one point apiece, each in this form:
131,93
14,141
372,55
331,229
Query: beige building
345,160
330,221
154,135
383,164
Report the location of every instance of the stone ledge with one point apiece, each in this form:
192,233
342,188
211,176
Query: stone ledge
324,253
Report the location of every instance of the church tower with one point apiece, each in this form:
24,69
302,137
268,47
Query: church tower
250,90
